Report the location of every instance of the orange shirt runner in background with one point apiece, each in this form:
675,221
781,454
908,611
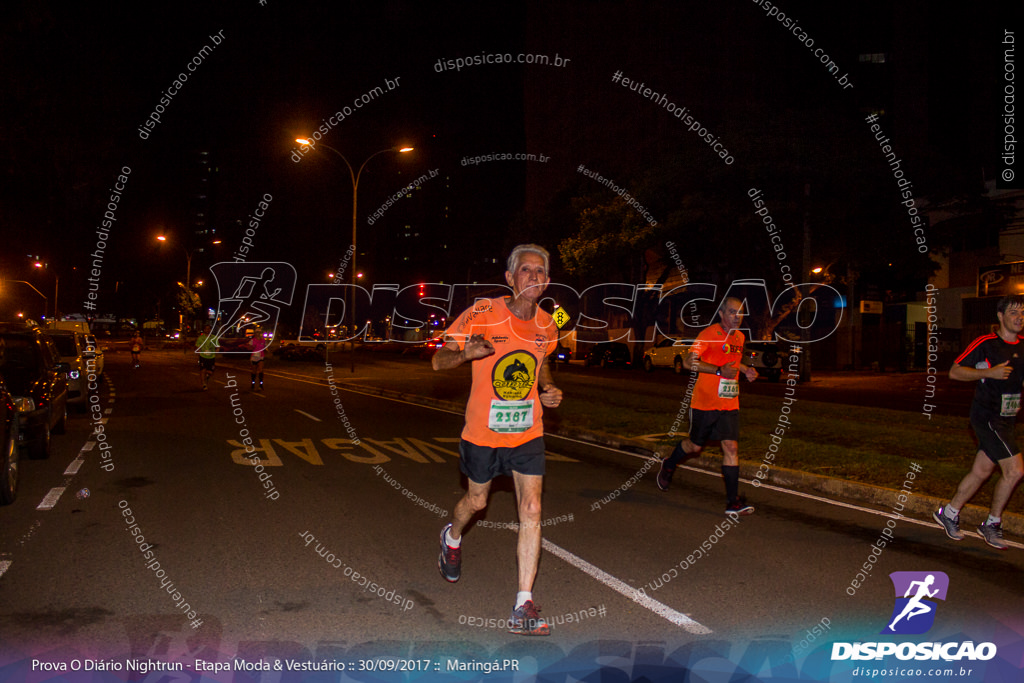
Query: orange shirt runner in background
714,346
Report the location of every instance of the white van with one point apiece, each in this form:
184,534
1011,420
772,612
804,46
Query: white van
73,325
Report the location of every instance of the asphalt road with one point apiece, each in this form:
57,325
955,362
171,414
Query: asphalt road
252,558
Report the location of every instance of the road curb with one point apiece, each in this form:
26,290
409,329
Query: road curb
916,505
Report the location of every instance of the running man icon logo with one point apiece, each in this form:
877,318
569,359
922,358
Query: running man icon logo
914,611
255,293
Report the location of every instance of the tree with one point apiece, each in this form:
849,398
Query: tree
188,302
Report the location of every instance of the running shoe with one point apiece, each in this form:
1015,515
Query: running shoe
449,562
665,475
525,621
993,535
739,507
950,526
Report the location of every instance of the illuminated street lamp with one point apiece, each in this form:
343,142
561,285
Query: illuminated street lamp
355,175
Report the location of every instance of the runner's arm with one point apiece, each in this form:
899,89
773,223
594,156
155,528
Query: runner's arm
693,363
965,374
550,395
452,356
748,371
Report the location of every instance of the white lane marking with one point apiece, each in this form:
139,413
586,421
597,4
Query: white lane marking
75,465
4,566
829,501
919,522
383,398
819,499
799,494
289,375
89,445
51,498
314,418
646,601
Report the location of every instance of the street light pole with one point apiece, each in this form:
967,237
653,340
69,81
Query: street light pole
355,175
46,302
56,289
188,281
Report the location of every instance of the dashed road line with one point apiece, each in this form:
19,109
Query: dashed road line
51,498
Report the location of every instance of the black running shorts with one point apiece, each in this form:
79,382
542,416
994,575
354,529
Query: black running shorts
714,425
995,435
207,363
483,463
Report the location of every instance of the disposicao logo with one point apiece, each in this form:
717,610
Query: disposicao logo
914,613
916,593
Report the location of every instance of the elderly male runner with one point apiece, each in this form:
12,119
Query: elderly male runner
996,361
508,340
714,412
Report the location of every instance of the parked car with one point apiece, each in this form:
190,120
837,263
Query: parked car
37,379
607,354
73,325
93,357
295,352
72,348
8,446
425,350
768,357
562,353
668,353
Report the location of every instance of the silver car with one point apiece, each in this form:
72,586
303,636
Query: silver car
72,348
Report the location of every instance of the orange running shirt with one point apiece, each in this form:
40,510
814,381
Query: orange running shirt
714,346
504,408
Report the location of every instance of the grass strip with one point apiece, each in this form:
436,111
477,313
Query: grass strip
862,444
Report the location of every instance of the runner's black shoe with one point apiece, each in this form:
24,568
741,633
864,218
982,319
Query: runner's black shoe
449,562
526,622
665,476
950,526
739,507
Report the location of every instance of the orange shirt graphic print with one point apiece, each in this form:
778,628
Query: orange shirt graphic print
513,376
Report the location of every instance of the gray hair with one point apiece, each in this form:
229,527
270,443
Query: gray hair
517,255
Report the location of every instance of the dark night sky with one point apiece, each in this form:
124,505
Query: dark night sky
78,83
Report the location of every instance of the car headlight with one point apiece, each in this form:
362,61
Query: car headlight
24,404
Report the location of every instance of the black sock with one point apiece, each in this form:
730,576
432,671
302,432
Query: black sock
677,455
731,476
261,380
252,378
